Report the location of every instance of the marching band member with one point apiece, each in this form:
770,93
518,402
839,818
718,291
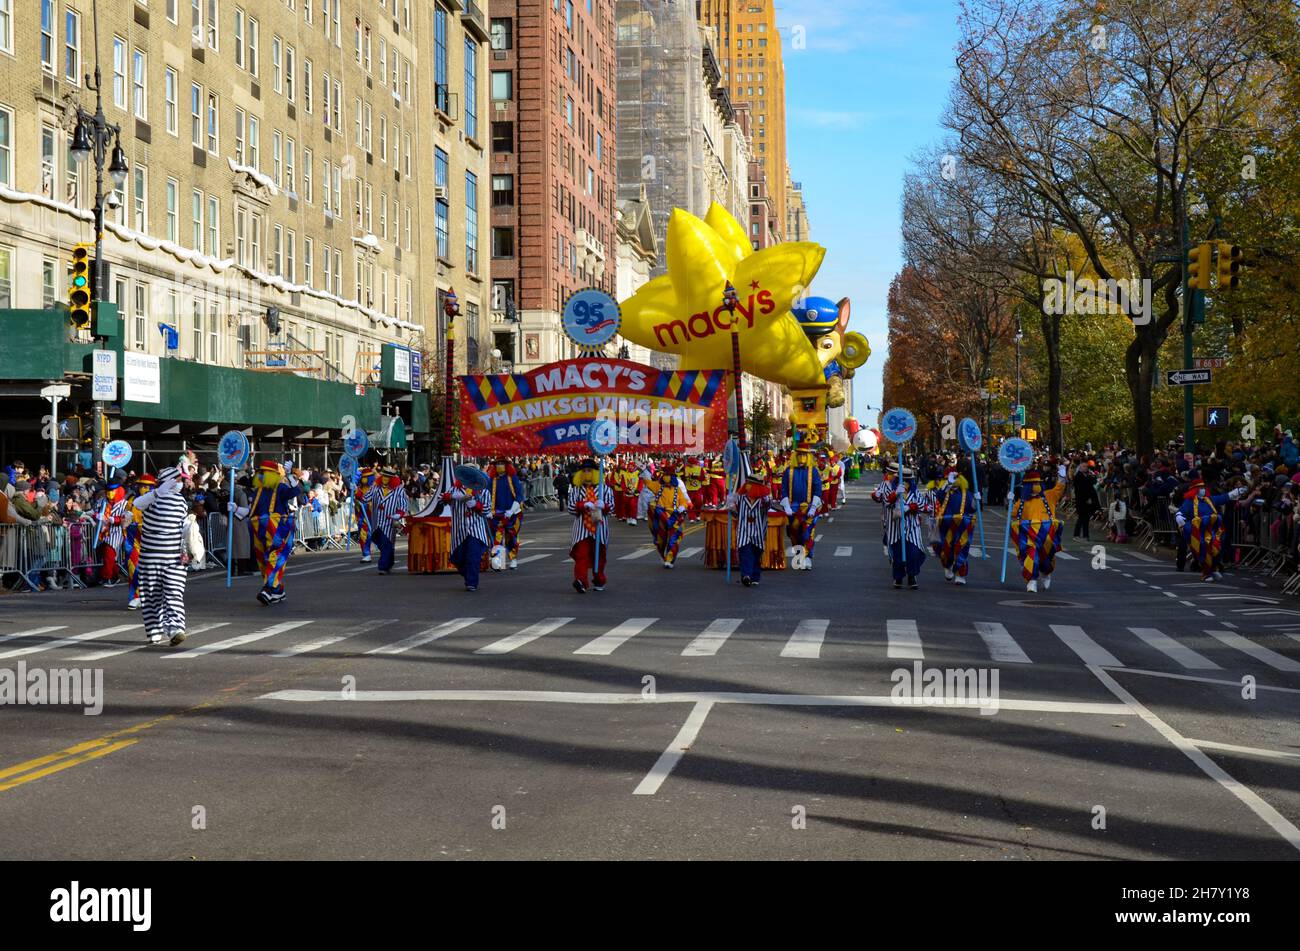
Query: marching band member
162,564
750,505
131,541
273,519
672,508
365,516
955,509
506,502
469,527
388,503
801,498
695,475
112,518
904,503
590,502
1201,525
1035,529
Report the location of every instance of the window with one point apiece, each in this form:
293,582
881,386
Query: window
369,210
49,293
7,26
502,85
307,248
6,147
406,82
255,241
141,316
240,155
276,65
72,47
338,190
440,55
214,226
383,139
568,111
119,72
383,216
240,59
503,242
326,201
241,238
502,34
290,68
291,255
328,266
212,122
171,10
383,62
196,215
356,106
568,15
338,272
406,159
47,35
367,140
6,277
254,142
140,175
471,223
306,85
172,227
49,164
169,95
196,115
290,160
214,334
441,205
277,251
254,30
276,168
503,191
503,137
214,23
307,176
471,88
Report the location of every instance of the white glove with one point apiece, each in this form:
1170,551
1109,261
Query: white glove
590,506
231,507
169,488
785,507
1180,519
514,510
1237,492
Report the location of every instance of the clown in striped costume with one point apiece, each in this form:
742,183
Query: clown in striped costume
388,506
161,566
1202,526
672,507
112,521
506,504
905,502
274,508
591,503
954,506
469,530
1035,529
801,498
131,541
365,515
750,505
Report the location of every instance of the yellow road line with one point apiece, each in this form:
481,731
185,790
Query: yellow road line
66,763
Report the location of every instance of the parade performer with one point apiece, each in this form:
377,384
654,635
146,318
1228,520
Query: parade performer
131,541
835,484
904,502
828,487
715,495
775,473
469,527
591,503
388,505
695,475
506,503
801,498
750,505
162,563
1201,525
272,522
112,521
954,506
1035,529
647,490
365,516
672,508
628,490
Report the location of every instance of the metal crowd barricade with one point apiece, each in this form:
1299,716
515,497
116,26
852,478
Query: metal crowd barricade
1242,532
13,544
83,560
214,538
1164,526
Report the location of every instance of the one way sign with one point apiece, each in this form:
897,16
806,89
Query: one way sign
1187,377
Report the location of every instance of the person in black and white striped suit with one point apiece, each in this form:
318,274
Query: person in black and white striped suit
591,503
469,528
751,506
162,558
388,503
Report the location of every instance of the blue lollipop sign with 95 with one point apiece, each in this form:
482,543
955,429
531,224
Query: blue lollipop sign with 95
591,318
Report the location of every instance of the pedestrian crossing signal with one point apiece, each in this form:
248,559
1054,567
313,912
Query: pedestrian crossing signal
79,288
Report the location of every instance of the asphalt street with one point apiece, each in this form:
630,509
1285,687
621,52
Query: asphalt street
1139,713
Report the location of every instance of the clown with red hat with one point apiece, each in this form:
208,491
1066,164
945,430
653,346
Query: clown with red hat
112,517
388,505
272,522
1201,524
366,516
672,507
505,513
1035,529
131,540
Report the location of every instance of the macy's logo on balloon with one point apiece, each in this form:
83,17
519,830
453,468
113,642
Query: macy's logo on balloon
705,324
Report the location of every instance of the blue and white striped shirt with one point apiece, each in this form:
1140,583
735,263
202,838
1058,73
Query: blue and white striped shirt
751,520
577,496
467,521
384,508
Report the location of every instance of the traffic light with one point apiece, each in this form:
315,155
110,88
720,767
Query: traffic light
79,289
1230,259
1198,267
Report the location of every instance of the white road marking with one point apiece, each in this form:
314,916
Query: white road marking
115,651
670,757
1240,597
298,573
238,640
424,637
1207,613
640,553
689,552
1248,750
1002,646
49,645
612,639
1230,625
1249,798
524,561
1141,556
712,638
526,636
1168,594
33,632
1261,654
843,551
1066,556
1234,684
1089,651
904,641
806,641
307,647
1167,645
1187,604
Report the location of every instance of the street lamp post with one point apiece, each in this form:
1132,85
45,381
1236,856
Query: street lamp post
451,307
1020,410
730,300
91,138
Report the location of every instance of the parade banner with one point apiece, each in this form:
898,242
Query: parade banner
550,410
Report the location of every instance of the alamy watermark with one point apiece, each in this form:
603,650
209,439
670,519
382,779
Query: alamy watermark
947,686
57,686
1085,296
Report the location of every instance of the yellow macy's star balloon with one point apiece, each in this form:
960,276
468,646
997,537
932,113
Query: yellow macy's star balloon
681,312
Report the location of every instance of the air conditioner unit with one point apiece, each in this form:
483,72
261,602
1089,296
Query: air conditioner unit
440,193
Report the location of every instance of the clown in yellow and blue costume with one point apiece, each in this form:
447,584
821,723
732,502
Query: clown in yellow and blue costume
365,514
1035,529
801,498
506,509
672,507
1201,523
272,520
131,540
955,508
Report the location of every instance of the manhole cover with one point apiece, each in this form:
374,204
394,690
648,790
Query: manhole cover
1043,603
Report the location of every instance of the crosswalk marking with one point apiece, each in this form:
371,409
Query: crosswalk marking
904,641
1261,654
526,636
49,645
1002,646
689,552
1066,556
1167,645
612,639
843,551
806,641
238,640
141,644
424,637
1089,651
1141,556
524,561
307,647
641,553
30,633
713,637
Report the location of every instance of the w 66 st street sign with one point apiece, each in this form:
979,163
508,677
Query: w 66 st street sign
1187,377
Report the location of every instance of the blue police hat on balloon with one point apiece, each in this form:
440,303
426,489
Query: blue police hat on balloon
817,315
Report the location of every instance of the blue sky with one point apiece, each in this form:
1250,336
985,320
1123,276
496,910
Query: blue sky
865,94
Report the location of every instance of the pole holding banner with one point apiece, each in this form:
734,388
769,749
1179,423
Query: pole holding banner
115,455
971,438
1015,455
899,427
602,439
232,451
